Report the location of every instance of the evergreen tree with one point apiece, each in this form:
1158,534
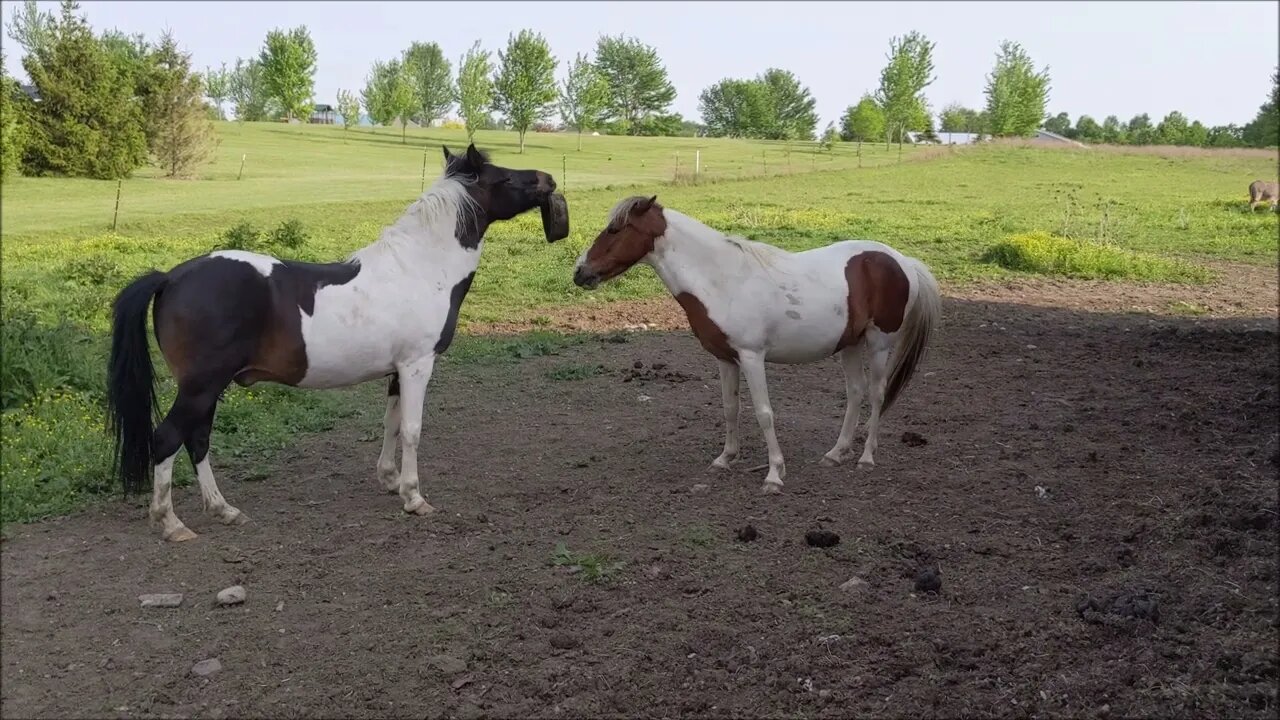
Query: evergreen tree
179,131
88,122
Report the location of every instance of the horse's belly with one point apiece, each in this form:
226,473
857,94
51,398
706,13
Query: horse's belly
345,349
805,335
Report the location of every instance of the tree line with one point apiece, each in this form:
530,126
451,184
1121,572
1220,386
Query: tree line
623,90
145,103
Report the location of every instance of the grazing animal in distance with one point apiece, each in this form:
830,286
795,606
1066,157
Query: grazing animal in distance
1260,191
749,303
230,316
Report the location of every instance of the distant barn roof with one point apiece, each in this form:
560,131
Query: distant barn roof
322,107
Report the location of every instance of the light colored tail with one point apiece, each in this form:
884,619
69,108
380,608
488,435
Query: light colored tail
917,328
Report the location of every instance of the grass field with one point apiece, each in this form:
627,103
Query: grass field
1111,215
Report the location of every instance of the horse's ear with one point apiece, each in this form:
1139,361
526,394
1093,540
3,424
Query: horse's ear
474,158
645,205
447,155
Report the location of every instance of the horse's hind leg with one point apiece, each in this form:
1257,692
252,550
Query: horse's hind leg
878,345
203,407
855,382
387,473
165,443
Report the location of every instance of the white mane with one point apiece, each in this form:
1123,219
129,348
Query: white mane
435,215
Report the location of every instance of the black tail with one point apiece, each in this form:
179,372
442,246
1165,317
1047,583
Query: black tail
131,393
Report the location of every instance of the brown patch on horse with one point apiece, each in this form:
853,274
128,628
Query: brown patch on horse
709,334
878,293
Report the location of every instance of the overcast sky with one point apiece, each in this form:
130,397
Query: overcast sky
1211,60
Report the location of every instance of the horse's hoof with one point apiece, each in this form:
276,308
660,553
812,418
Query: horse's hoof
238,519
865,464
828,461
721,464
771,488
419,507
181,534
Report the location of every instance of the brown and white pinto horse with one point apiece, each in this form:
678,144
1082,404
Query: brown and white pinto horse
750,303
234,316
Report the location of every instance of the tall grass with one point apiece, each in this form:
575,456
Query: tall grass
1046,254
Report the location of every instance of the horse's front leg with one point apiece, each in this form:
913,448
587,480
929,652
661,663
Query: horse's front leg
414,378
387,474
729,385
752,365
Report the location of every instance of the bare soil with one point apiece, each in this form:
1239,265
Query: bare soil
1073,514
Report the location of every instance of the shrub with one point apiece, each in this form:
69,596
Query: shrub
38,358
288,234
1045,254
241,237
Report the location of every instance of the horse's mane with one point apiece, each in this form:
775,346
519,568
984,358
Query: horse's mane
618,215
444,206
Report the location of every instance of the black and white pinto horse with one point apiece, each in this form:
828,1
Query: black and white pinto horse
232,316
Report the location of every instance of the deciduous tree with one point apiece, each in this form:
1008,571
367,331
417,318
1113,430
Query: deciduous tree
288,61
475,89
902,83
584,97
525,86
638,83
431,79
1016,93
348,108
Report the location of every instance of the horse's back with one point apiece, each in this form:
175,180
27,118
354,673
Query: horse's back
1264,190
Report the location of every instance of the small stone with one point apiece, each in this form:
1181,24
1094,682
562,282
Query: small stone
637,365
928,581
161,600
280,606
448,665
205,668
564,641
747,533
659,366
854,583
653,572
824,694
467,711
821,538
911,439
233,595
700,489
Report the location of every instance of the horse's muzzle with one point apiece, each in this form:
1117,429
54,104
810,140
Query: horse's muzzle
585,279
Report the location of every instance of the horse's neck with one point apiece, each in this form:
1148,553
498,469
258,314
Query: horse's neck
424,240
692,257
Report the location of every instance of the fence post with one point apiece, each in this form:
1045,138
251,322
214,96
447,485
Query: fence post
677,165
697,163
116,214
423,188
564,169
241,173
764,161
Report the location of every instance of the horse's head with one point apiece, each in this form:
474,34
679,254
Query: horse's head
634,225
503,193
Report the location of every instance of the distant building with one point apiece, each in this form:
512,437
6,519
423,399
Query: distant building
952,138
1044,137
323,115
31,92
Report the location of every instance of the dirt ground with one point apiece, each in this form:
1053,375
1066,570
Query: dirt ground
1096,493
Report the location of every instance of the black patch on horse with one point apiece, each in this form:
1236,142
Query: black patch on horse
456,296
300,281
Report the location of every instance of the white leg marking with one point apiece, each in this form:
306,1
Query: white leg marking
212,497
162,502
729,377
387,473
753,367
879,376
413,390
855,383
